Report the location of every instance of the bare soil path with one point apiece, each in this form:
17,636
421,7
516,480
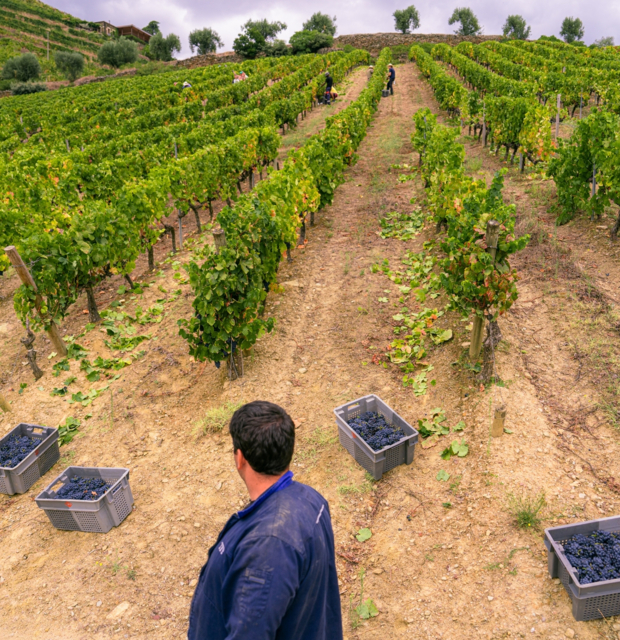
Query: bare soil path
445,559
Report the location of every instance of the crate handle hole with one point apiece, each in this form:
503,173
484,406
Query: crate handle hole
116,489
38,431
60,481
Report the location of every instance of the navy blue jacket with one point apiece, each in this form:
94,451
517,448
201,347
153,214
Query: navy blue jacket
271,575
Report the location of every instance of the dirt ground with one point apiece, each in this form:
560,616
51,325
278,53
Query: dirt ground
446,559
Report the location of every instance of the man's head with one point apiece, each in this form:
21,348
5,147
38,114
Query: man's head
265,434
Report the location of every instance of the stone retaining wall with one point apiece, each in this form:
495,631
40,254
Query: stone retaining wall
209,59
374,42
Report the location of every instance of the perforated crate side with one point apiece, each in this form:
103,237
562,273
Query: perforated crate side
394,457
62,520
346,441
4,487
91,521
49,459
365,460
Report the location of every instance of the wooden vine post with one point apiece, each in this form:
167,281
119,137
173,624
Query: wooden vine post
497,428
24,275
557,117
492,239
219,236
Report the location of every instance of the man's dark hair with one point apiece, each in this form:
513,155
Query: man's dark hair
265,434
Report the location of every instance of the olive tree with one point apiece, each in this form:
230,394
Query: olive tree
162,48
468,21
572,29
206,40
322,23
69,64
406,19
22,68
118,52
516,28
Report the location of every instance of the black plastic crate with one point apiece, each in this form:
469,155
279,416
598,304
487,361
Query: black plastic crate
590,601
375,462
37,463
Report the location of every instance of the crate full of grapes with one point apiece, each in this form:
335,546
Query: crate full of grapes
27,453
375,435
585,556
87,499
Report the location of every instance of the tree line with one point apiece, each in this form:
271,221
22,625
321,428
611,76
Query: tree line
259,38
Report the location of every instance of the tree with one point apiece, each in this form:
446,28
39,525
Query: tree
469,23
310,41
516,28
162,48
269,30
604,42
69,64
22,68
205,40
572,29
276,49
322,23
152,27
406,19
118,52
256,37
249,44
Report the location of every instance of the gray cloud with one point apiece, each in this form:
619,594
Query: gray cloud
354,16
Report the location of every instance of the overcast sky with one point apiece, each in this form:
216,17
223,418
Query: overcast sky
600,17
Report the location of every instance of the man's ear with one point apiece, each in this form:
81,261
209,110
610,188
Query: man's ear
240,460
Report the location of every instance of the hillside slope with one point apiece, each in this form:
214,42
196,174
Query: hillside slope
24,24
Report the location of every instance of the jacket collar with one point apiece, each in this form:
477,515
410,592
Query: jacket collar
282,483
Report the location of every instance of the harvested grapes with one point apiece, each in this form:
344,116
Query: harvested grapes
375,431
15,449
83,489
596,556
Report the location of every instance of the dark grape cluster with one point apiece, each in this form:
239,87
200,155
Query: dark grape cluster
15,449
374,429
596,556
83,489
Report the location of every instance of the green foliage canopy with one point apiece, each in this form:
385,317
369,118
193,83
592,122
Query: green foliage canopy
118,52
516,28
206,40
468,21
71,65
162,48
310,41
572,29
406,19
22,68
152,27
322,23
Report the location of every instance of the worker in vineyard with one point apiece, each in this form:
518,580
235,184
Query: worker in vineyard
391,78
272,571
329,83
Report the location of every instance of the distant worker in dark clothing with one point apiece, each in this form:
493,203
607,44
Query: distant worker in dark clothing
391,79
271,574
329,83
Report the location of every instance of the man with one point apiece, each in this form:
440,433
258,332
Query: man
271,574
391,79
329,83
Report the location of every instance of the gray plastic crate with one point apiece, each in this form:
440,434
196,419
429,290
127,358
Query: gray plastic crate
590,601
37,463
91,516
375,462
